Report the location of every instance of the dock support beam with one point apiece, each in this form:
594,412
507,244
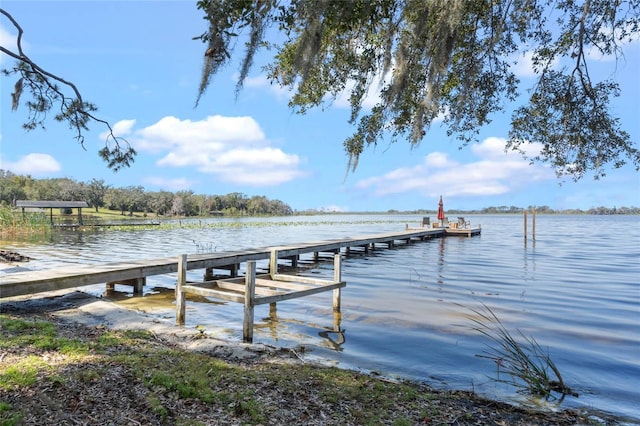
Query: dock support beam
232,268
180,295
137,284
249,301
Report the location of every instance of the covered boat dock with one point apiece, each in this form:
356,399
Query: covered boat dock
56,204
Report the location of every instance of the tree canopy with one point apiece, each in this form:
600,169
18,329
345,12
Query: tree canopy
449,60
135,198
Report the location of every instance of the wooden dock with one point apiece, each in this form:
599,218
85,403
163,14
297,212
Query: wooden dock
250,290
253,290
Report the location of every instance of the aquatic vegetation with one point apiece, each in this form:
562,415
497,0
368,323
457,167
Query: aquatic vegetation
201,224
528,365
15,222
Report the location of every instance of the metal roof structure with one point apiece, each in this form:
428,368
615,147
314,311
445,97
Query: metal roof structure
57,204
54,204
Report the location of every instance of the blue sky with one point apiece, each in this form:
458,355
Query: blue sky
137,62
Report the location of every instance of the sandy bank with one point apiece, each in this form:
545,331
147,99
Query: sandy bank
81,308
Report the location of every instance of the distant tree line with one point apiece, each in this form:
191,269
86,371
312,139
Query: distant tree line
132,199
539,209
548,210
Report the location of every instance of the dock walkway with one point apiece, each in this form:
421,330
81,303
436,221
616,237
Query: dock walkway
280,287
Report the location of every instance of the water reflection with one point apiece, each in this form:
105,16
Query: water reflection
338,341
440,281
283,329
279,329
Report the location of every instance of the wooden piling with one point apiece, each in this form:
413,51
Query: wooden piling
208,274
273,263
533,224
525,225
337,277
249,301
137,284
180,294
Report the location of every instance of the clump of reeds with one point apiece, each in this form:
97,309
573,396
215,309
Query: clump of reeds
527,364
14,222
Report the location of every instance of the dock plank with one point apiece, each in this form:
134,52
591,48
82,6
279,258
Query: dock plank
301,293
218,294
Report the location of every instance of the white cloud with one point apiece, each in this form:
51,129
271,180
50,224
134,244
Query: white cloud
370,99
524,67
234,149
121,129
33,164
342,99
211,134
437,159
8,41
495,172
281,93
6,38
494,148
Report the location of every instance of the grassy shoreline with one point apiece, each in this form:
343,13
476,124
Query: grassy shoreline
57,370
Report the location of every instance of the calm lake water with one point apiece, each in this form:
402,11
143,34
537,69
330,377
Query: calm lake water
406,311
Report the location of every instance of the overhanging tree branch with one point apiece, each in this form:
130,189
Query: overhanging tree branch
45,92
444,57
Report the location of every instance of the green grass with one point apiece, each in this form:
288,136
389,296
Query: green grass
247,393
190,375
23,373
41,335
9,416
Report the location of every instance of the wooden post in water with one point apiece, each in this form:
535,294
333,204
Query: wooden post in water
533,223
249,301
180,295
273,263
208,274
337,277
233,270
525,225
